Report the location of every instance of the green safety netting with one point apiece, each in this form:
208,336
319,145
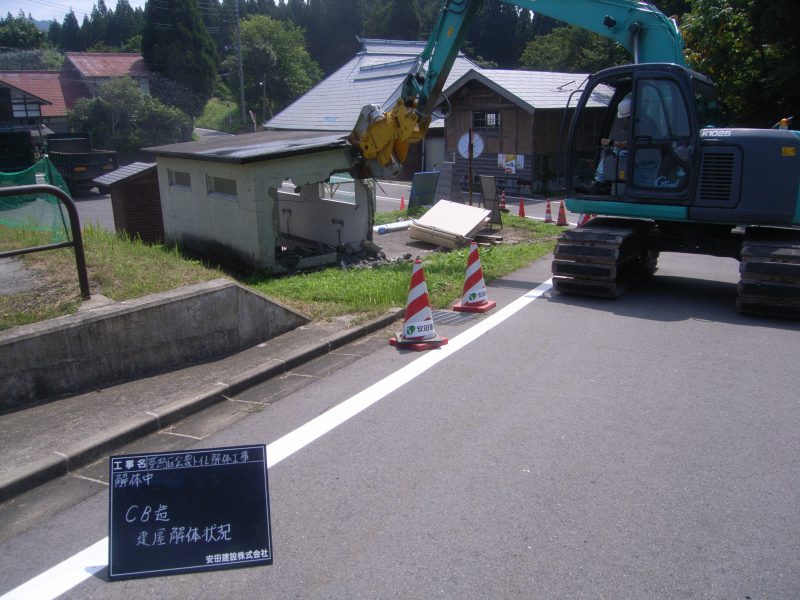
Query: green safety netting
35,212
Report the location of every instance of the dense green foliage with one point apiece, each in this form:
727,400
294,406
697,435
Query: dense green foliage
125,119
750,49
175,44
20,32
572,50
277,67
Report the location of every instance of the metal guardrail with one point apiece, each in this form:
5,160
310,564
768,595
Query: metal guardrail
74,221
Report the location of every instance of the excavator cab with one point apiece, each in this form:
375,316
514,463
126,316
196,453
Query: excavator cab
634,136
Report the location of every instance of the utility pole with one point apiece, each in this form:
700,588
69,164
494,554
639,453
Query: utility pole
241,71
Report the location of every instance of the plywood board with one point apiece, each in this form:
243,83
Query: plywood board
455,218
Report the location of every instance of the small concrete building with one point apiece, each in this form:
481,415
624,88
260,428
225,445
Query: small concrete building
259,201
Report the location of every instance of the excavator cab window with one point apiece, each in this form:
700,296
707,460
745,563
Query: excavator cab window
707,105
661,150
599,134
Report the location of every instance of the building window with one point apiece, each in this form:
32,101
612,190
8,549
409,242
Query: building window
23,106
486,119
221,185
179,178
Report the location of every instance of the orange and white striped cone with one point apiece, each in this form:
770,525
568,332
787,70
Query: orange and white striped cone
521,207
503,201
474,296
418,330
548,213
562,216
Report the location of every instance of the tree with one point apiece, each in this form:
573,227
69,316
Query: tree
492,35
21,33
277,68
176,45
332,27
71,33
749,48
123,24
125,119
572,50
405,20
54,34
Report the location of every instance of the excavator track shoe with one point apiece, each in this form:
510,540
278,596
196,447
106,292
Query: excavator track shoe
603,258
769,283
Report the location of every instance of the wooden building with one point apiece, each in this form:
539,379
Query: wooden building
135,201
522,118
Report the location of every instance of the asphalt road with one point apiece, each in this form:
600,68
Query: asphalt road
575,448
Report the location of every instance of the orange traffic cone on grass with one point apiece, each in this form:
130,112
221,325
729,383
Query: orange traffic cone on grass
402,201
521,207
548,213
474,295
503,201
562,216
418,330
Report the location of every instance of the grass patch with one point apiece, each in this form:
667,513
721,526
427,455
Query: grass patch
122,268
220,115
118,267
370,292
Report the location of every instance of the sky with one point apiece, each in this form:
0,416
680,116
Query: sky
47,10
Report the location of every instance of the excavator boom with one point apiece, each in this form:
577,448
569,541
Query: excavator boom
383,134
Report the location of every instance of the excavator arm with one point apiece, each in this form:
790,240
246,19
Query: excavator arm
383,134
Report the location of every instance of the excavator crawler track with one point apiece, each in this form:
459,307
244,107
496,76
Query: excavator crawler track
769,282
603,258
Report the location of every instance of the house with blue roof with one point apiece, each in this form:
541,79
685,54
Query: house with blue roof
371,77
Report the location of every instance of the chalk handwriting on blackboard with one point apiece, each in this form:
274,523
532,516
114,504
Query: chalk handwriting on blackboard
183,511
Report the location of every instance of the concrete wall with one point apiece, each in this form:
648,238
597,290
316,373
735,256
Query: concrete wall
240,230
135,338
333,221
234,229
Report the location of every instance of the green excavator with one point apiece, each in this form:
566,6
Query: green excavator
645,154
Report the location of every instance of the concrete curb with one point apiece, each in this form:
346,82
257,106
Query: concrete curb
29,476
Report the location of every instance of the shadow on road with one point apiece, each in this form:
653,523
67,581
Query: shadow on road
671,298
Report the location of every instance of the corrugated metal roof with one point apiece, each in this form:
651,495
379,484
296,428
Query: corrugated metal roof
371,77
108,64
530,89
57,89
253,147
124,172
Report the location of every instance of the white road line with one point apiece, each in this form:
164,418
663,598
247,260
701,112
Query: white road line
76,569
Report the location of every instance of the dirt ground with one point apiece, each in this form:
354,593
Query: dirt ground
399,244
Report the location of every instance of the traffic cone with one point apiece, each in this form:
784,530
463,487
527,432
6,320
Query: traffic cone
474,296
418,330
521,207
562,216
402,201
548,214
503,201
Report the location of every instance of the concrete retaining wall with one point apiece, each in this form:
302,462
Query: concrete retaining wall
135,338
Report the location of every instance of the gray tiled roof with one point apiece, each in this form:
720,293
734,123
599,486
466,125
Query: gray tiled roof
371,77
529,89
253,147
124,172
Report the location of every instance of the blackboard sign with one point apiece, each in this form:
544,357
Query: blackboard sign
180,512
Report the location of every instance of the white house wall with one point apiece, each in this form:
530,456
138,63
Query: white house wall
245,229
331,221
